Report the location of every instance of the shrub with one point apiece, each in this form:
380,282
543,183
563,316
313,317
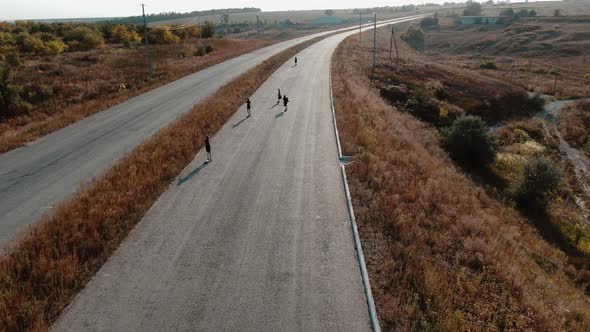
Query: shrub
7,39
56,47
557,12
488,65
472,8
203,49
83,38
32,44
540,181
532,13
163,36
429,22
468,142
414,37
120,34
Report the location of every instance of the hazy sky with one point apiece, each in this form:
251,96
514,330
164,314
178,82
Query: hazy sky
34,9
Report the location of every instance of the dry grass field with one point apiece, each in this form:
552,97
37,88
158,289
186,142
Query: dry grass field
443,253
74,85
574,125
529,52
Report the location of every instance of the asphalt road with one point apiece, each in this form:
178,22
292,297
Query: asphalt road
38,176
258,239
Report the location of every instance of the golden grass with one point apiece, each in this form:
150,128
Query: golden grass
442,254
57,257
84,83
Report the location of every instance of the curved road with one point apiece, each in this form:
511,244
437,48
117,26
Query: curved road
38,176
259,239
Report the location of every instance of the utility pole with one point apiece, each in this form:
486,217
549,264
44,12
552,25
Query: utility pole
391,44
395,43
555,84
147,43
360,26
374,44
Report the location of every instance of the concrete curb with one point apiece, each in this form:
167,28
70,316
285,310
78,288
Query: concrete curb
357,242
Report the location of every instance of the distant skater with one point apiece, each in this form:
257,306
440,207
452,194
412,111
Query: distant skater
280,97
295,61
248,106
208,149
285,102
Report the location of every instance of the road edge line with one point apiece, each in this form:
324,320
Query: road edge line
357,242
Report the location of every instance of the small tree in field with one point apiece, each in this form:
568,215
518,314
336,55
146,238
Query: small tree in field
207,30
329,12
10,101
468,142
557,12
539,183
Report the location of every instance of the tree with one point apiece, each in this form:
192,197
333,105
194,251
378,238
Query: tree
329,12
472,8
532,13
508,12
208,30
225,18
468,142
557,12
10,100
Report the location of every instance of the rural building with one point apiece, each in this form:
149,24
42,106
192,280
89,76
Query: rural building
471,20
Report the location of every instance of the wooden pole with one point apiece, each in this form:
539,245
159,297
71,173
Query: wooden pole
395,43
391,43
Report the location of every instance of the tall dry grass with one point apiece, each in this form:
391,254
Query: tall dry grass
442,254
52,262
574,125
84,83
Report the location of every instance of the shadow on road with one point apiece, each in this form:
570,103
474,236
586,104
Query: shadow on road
279,115
273,106
240,122
191,174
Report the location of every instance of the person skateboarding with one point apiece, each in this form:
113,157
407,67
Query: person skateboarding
285,102
280,97
295,61
248,106
208,149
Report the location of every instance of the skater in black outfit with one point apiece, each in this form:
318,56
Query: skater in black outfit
208,149
285,102
295,61
248,106
280,97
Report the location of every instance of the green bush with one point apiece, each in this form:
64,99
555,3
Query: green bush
540,181
83,38
203,49
414,37
467,141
